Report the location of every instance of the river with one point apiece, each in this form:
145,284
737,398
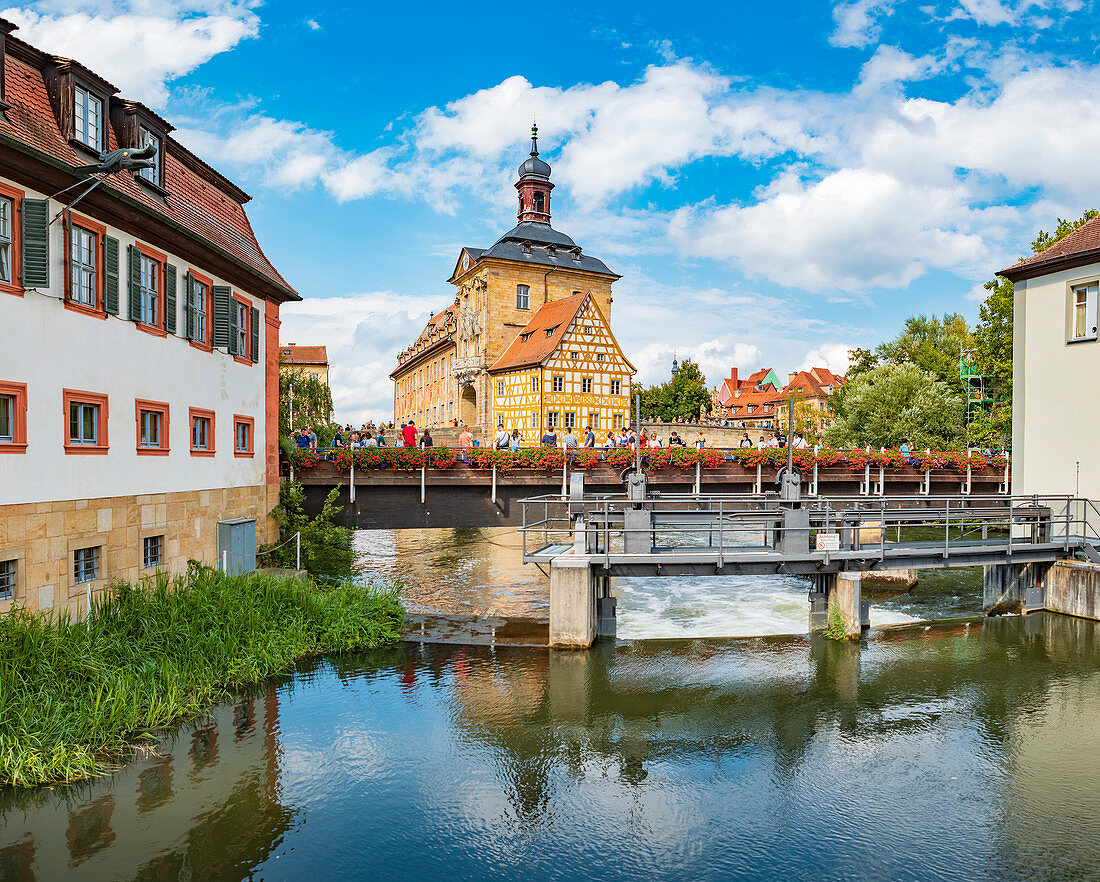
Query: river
958,750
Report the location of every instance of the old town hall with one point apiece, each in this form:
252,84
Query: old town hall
527,342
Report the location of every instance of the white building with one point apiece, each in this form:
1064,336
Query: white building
1055,361
139,365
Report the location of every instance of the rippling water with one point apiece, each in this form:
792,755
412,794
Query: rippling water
948,752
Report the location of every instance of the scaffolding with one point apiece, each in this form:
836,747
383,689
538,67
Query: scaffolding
977,401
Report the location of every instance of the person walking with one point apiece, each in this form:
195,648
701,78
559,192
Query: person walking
590,438
409,434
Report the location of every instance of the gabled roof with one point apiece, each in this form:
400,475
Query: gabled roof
1079,248
812,382
731,385
292,354
542,335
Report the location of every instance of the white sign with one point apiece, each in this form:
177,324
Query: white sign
828,542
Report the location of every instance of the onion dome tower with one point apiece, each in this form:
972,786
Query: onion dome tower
534,185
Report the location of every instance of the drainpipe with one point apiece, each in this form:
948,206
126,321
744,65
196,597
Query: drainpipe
545,287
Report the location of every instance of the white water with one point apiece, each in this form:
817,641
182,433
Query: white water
479,572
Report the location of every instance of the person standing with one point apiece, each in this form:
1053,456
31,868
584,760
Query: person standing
503,439
426,438
465,439
700,440
569,442
799,443
369,441
746,441
514,446
409,434
590,438
550,439
382,436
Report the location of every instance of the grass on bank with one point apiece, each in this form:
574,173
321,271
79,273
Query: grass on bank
76,696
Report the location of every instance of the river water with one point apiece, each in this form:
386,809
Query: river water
961,750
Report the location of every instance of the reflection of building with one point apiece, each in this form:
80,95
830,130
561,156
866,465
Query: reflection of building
445,373
1055,352
564,372
310,360
165,817
139,364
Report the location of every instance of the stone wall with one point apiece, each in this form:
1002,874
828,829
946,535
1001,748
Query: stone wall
42,538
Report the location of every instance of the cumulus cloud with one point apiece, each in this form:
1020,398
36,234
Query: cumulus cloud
833,356
858,21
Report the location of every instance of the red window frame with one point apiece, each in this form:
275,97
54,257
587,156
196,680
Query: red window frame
247,357
192,413
98,230
18,443
160,407
159,330
238,419
15,286
208,346
79,396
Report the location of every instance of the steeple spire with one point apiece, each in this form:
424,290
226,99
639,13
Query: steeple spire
534,185
534,138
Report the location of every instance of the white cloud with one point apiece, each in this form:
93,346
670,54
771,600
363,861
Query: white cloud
833,356
313,24
714,357
144,47
857,21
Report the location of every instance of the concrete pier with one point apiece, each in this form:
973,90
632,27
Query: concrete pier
844,590
572,602
1013,588
1070,587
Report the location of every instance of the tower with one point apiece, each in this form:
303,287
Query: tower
534,185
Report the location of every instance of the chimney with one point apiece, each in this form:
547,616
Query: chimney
733,377
790,378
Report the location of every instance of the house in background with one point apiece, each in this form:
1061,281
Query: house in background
749,402
311,360
810,391
1054,336
139,367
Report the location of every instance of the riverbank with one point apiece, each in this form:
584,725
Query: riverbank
76,697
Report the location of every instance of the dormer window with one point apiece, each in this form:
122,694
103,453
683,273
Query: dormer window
88,118
147,138
525,247
551,251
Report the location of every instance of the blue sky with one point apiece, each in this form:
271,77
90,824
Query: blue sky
775,182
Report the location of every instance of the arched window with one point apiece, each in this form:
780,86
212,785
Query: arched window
539,202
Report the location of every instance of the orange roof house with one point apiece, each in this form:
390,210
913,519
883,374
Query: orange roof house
313,360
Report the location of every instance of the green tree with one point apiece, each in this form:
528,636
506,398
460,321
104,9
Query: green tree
326,547
684,396
892,403
312,403
931,343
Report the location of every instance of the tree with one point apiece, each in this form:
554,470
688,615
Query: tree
932,344
684,396
312,403
892,403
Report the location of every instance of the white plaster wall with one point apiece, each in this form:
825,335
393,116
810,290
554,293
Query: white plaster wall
1056,396
51,348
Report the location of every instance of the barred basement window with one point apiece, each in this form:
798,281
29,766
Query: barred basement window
5,240
7,579
86,565
151,547
586,385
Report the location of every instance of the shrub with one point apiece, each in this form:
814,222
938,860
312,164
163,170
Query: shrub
326,547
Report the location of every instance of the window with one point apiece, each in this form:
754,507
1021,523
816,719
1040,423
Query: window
148,139
7,579
575,293
534,419
616,387
599,356
574,355
202,431
149,291
151,551
557,384
588,330
85,421
500,421
88,118
152,426
6,208
85,565
7,419
549,332
570,419
586,385
82,267
199,310
523,297
500,387
13,417
593,420
244,431
534,384
540,202
616,421
242,330
551,419
1084,312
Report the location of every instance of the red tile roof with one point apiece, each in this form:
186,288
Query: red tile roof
199,199
533,345
812,382
1078,248
292,354
731,385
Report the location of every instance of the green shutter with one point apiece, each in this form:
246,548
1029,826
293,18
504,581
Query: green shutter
255,319
189,305
222,313
36,243
234,329
110,274
134,264
169,298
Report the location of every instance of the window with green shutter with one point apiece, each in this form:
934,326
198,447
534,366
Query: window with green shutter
110,275
224,317
133,275
255,322
170,298
36,243
189,306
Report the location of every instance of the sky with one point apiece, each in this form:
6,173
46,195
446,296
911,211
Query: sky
776,183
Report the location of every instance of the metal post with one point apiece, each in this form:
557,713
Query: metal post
225,561
495,489
290,386
351,482
298,550
564,477
759,488
790,434
813,491
698,470
637,432
423,482
721,537
947,528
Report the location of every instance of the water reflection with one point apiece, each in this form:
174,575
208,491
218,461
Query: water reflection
948,752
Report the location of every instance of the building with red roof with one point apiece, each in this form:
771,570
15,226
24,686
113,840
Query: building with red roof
139,368
759,402
309,360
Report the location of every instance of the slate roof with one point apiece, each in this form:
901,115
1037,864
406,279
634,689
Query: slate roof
199,199
545,246
291,354
542,335
1079,248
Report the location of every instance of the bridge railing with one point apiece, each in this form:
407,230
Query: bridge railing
729,525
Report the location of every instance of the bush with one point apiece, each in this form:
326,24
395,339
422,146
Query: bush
326,547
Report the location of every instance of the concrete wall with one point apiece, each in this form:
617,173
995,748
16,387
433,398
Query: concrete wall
1054,423
1067,586
1073,588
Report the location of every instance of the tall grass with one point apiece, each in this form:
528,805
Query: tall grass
75,697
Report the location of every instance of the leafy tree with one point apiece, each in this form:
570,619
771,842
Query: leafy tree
932,344
892,403
684,396
312,404
1044,240
326,547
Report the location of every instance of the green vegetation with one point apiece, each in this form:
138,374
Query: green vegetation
834,624
312,405
684,396
76,696
326,547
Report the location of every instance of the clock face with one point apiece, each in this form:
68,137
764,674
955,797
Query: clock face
465,261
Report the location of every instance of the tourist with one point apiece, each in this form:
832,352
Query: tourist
643,439
503,439
550,439
746,441
799,443
409,433
655,440
400,442
426,438
381,436
700,440
465,439
312,440
590,438
368,441
674,440
609,441
338,438
773,441
761,444
514,446
569,442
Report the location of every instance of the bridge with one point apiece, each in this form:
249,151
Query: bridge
586,539
490,494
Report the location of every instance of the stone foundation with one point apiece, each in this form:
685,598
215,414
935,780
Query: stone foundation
42,538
